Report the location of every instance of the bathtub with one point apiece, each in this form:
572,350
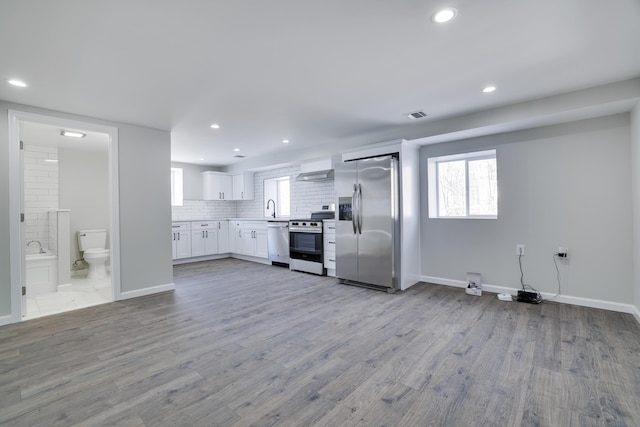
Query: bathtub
41,273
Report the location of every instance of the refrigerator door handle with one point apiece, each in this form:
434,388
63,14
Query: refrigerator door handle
359,208
354,208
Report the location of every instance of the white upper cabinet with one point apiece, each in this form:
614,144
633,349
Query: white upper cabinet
243,187
217,186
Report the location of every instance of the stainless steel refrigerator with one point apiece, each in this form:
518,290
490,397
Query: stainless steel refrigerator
367,229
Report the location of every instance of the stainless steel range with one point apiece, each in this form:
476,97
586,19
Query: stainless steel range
305,241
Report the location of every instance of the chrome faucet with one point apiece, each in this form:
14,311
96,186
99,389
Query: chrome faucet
39,245
274,206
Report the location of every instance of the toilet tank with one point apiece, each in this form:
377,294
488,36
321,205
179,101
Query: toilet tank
92,239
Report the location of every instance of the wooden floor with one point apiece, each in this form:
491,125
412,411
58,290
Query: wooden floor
240,344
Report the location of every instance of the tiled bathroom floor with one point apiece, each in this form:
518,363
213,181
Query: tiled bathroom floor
82,292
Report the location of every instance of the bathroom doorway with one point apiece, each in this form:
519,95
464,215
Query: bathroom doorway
68,185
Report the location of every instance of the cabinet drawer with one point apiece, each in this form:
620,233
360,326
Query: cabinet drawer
204,225
180,226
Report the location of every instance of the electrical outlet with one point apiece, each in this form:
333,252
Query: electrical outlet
520,250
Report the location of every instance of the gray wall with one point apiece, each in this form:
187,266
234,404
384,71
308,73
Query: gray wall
83,180
564,185
145,213
192,179
635,160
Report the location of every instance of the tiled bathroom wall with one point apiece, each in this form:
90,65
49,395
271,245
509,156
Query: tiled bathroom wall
40,192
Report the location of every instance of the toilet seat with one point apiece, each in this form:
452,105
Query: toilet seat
96,252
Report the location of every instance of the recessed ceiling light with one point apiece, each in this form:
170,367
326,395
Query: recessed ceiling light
72,134
489,89
201,158
17,83
285,141
236,149
444,15
215,126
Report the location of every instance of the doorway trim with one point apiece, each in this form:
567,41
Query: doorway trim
16,234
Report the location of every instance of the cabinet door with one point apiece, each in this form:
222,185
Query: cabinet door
197,243
174,238
261,244
243,186
211,241
217,186
247,242
183,244
223,237
233,237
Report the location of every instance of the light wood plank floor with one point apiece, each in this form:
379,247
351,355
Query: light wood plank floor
240,344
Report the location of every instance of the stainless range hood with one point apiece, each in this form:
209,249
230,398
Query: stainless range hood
316,176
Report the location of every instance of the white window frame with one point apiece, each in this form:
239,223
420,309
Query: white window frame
433,184
177,190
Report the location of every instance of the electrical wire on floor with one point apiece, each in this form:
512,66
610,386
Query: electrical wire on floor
524,285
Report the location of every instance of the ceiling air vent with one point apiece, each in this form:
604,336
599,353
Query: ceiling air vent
239,156
417,115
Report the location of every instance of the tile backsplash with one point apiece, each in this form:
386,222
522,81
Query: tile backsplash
194,210
305,196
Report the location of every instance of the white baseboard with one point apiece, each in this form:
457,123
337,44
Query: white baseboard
147,291
6,320
251,258
199,258
636,313
584,302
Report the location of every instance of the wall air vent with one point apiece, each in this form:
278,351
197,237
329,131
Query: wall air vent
417,115
239,156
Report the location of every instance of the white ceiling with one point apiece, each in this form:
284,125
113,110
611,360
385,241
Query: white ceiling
46,135
314,72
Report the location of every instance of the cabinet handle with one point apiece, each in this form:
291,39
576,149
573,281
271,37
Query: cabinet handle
332,260
178,235
174,236
219,225
242,194
207,234
332,242
239,233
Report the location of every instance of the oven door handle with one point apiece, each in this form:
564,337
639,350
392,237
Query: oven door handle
354,208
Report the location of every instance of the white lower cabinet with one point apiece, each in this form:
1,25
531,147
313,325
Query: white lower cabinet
329,246
209,238
223,237
181,240
251,239
204,238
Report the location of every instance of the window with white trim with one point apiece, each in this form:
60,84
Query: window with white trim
463,185
176,187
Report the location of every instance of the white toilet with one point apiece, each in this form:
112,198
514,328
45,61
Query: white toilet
92,243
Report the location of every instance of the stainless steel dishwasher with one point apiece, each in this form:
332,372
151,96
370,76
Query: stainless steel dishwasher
278,239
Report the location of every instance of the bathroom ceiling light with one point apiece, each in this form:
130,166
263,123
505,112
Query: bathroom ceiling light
17,83
489,89
72,134
444,15
215,126
236,149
